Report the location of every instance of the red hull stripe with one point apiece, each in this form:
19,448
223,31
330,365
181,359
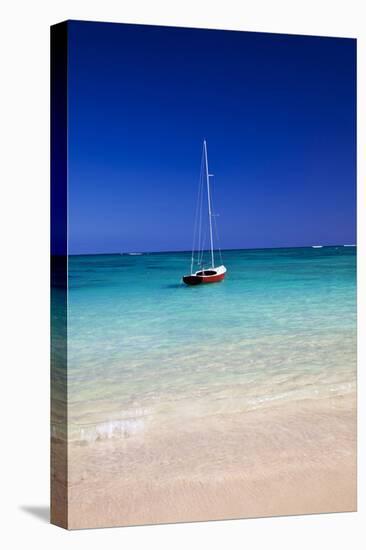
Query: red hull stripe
213,278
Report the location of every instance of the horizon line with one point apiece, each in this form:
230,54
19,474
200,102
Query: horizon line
205,250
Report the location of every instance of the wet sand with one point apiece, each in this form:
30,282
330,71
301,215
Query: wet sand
294,458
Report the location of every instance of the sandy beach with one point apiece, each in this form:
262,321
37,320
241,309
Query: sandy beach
295,458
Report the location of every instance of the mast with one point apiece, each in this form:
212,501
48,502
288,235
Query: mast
209,201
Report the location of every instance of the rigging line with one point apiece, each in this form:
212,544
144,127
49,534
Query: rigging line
209,202
218,241
196,225
213,188
196,216
203,248
203,231
197,235
199,218
200,245
204,245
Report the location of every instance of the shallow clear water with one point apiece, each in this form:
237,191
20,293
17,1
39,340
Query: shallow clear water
144,349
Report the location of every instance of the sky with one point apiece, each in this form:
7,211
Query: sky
278,114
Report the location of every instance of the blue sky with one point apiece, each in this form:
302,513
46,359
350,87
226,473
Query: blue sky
278,113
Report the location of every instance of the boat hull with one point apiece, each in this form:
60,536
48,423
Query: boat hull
205,277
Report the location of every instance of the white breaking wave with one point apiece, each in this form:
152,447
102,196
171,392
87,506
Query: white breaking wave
131,425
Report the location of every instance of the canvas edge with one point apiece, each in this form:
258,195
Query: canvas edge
58,269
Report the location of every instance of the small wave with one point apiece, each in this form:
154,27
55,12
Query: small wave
121,428
113,428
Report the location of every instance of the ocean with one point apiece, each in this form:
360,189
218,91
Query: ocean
147,352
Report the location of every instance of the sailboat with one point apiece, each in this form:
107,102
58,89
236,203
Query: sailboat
204,274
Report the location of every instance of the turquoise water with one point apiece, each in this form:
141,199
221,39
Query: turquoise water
144,349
